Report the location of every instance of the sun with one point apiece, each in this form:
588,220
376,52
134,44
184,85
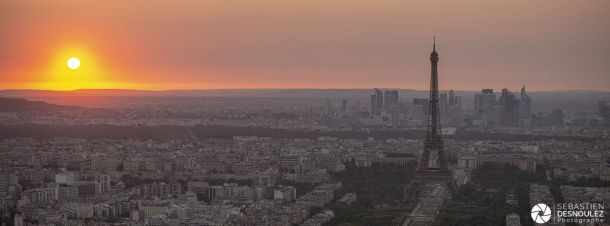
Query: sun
73,67
73,63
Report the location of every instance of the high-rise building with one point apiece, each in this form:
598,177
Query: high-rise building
421,102
444,106
525,105
373,108
509,106
478,103
391,99
450,102
404,108
451,97
456,108
376,103
418,112
379,96
515,114
487,102
454,104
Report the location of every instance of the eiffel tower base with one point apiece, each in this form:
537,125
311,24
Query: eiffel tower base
423,177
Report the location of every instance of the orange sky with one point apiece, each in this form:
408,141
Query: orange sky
546,44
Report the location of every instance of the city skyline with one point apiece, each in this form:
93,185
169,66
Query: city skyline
311,113
193,45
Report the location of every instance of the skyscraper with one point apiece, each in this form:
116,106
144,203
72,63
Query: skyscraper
443,104
420,108
373,108
454,104
391,99
379,96
508,105
376,103
456,108
450,102
478,103
451,97
485,104
525,105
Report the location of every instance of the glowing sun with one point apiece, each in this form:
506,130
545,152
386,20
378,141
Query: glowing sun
73,63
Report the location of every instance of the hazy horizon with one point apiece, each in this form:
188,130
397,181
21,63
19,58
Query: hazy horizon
497,90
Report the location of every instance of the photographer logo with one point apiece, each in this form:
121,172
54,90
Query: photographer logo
541,213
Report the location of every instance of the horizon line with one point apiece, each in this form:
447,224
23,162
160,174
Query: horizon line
237,89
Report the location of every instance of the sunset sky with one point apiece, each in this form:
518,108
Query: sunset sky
212,44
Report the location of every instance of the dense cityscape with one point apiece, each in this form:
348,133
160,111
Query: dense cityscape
69,165
309,113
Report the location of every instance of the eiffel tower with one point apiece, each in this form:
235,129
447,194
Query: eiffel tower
425,174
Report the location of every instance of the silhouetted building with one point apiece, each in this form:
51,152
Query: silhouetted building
485,102
373,108
404,108
343,106
509,106
452,104
525,105
423,102
379,96
451,97
443,105
485,105
390,98
376,103
456,108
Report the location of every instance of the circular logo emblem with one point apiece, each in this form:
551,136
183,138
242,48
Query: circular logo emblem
541,213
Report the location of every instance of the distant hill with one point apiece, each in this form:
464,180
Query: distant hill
22,105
